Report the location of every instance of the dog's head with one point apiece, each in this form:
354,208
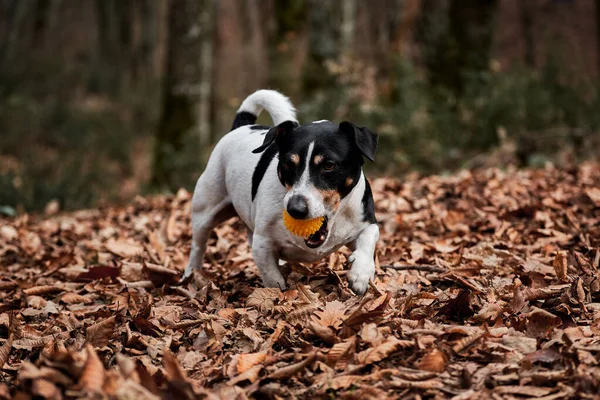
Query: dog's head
319,164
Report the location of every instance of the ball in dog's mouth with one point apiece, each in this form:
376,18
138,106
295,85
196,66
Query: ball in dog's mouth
319,237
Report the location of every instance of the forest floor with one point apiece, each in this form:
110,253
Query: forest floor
487,287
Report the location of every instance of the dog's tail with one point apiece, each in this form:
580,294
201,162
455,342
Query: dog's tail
277,105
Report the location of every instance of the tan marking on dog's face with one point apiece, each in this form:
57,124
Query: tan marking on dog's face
331,198
349,182
295,158
318,159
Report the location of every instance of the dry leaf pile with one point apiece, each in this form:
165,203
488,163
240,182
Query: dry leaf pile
487,288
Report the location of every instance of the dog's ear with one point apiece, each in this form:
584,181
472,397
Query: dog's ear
365,140
274,134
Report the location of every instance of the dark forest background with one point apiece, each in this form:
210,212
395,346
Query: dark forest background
101,100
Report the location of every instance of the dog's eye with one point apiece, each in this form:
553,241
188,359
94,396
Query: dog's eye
328,165
288,164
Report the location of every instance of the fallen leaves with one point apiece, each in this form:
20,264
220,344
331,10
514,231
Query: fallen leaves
488,286
92,377
434,361
332,314
99,334
263,298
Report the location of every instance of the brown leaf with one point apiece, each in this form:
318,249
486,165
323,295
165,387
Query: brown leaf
124,248
247,361
360,316
5,350
263,298
445,246
530,391
251,375
404,384
172,368
99,334
468,341
343,381
160,275
340,353
434,361
45,389
594,194
177,381
323,332
560,266
92,377
74,298
158,244
373,355
99,272
40,290
548,355
302,314
293,369
539,323
332,315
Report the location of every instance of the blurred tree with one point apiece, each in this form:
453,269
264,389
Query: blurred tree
184,100
598,36
526,14
16,20
324,21
457,40
286,40
348,26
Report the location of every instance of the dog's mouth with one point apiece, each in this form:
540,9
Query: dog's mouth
319,237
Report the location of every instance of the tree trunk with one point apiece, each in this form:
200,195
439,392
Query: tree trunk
348,26
207,18
527,30
286,44
461,42
402,40
323,21
18,11
182,91
598,36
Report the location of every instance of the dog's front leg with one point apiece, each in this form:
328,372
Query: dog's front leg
363,259
266,259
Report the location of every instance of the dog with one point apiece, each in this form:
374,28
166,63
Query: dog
313,170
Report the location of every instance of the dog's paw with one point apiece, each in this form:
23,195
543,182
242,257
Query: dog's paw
361,271
274,282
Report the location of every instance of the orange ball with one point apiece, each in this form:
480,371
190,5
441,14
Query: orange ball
302,227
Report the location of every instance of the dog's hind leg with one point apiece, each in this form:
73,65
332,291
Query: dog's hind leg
210,206
202,227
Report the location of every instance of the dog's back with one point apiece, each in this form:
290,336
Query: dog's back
230,169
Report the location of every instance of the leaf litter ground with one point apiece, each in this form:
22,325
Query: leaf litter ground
487,286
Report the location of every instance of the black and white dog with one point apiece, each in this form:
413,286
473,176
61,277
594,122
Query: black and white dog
313,170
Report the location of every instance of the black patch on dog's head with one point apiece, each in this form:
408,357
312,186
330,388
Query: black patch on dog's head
336,159
276,134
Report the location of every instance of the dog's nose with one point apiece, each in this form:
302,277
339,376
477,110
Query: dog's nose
297,207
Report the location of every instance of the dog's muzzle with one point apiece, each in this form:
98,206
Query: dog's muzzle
319,237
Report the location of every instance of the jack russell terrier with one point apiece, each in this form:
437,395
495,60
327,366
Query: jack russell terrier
309,172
